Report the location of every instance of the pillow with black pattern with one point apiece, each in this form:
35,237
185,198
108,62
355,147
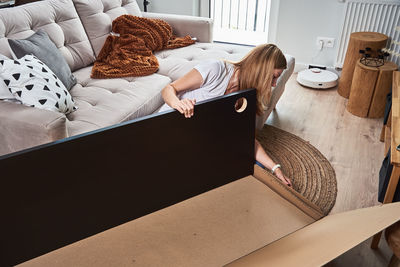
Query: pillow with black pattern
35,85
5,94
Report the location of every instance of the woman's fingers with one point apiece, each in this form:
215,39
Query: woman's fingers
185,107
287,181
284,179
188,107
179,108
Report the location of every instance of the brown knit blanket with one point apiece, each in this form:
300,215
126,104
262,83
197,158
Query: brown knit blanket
131,53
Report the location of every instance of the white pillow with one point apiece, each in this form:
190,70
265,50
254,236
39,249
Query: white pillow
5,94
35,85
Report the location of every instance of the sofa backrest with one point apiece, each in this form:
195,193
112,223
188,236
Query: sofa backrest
97,17
61,22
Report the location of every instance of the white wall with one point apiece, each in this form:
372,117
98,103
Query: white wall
295,28
301,22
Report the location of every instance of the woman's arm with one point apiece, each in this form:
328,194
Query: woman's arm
190,81
262,157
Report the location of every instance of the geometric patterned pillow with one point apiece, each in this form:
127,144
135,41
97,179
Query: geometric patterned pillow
5,94
35,85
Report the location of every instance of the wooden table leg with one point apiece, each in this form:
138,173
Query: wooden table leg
391,189
382,137
375,240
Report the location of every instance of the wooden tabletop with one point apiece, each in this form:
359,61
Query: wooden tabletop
395,154
369,36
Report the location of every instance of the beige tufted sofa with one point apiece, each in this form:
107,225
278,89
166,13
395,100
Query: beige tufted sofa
79,29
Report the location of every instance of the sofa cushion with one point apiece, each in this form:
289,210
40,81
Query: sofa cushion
58,18
97,16
105,102
23,127
34,84
44,49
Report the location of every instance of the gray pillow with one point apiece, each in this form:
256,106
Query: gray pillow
40,45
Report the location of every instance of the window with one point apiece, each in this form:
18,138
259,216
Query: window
241,21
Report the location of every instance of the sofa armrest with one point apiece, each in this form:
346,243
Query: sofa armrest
22,127
199,27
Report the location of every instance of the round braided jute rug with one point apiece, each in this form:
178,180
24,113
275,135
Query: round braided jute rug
310,172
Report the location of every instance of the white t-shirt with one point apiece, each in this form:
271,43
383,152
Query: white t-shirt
216,75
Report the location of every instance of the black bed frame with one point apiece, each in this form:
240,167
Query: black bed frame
58,193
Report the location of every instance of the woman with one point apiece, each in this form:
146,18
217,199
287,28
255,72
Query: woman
259,69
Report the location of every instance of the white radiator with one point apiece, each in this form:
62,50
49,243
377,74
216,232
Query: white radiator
374,16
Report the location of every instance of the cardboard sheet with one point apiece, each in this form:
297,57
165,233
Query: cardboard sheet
288,193
324,240
211,229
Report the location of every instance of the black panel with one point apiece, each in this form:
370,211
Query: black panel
59,193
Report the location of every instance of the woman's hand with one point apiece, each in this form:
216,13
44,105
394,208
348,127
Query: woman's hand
278,172
185,107
262,157
190,81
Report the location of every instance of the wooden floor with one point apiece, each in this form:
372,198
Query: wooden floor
352,146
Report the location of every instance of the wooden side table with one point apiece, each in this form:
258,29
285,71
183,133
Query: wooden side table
358,41
369,88
394,153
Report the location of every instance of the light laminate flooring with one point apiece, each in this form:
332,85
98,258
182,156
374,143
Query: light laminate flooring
352,146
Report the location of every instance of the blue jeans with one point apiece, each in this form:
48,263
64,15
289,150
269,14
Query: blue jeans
259,164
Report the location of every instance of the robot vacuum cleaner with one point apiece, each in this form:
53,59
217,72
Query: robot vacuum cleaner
317,78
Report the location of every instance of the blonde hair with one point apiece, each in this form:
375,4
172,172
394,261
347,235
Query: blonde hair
256,71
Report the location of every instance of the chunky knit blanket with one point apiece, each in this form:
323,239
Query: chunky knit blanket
131,53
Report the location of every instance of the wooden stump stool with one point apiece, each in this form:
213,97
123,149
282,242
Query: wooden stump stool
392,235
358,41
369,88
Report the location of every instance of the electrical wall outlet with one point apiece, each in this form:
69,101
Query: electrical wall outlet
326,42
